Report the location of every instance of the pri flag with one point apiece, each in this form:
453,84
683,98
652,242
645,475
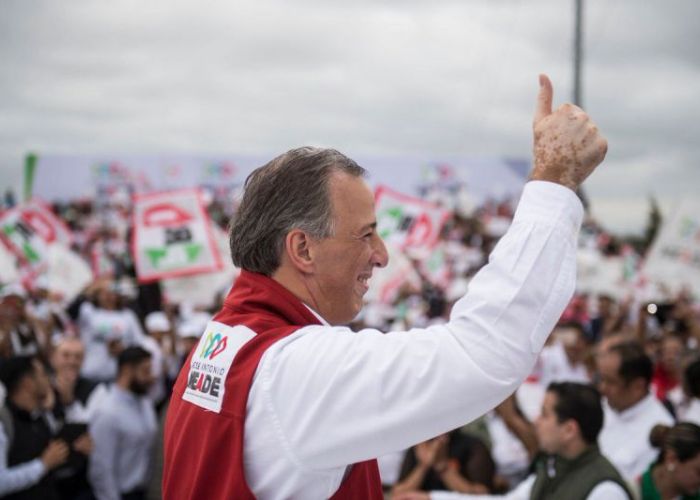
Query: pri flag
411,224
674,258
173,236
28,230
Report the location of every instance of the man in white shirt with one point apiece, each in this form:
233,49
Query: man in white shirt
317,402
124,429
571,466
562,361
631,411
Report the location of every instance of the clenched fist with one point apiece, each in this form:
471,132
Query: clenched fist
568,146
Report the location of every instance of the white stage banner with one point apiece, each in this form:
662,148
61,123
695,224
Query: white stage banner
410,224
674,258
106,177
172,236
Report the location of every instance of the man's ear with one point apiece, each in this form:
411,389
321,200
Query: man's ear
297,246
572,429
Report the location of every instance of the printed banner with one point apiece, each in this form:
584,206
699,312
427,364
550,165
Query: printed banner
411,224
68,274
21,236
674,258
8,266
172,236
202,289
387,282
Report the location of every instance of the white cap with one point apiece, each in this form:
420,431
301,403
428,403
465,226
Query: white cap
13,289
41,282
194,325
157,321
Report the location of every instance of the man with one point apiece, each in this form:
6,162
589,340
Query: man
571,465
305,406
19,332
631,411
28,453
124,430
72,393
72,390
563,360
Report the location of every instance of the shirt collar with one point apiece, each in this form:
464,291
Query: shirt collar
637,409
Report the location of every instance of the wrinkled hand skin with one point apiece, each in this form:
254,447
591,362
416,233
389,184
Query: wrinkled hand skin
567,144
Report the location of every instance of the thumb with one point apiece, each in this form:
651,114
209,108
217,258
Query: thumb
544,99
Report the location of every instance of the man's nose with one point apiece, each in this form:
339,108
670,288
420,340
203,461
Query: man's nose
380,256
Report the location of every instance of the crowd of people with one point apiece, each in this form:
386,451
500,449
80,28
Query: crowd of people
612,407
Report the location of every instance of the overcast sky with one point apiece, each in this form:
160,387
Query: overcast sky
367,77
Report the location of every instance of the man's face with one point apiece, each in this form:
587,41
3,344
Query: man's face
671,352
68,356
343,263
141,377
611,385
12,308
687,475
573,342
40,381
550,432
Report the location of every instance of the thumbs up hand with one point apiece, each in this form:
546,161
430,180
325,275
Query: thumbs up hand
567,144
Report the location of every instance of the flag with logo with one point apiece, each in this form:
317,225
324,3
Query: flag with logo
172,236
674,258
27,230
411,224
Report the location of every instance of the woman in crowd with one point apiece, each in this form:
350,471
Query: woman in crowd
676,473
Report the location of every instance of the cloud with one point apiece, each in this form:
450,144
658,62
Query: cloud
371,77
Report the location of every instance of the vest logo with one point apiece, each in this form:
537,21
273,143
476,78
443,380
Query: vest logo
211,362
204,383
213,346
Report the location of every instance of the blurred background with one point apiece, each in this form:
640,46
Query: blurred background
128,128
381,77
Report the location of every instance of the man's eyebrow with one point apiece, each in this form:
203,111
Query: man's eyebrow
372,225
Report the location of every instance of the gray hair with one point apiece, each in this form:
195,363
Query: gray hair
289,192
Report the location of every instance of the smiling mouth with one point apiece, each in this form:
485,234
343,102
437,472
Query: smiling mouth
364,281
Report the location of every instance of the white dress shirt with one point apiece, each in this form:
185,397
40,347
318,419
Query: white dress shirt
692,414
325,397
607,490
123,431
624,439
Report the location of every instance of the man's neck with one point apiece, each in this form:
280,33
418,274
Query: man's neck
574,449
123,383
288,278
632,405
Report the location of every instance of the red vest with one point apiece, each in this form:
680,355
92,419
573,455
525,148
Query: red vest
203,457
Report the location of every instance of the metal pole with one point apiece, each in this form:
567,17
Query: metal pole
578,53
578,57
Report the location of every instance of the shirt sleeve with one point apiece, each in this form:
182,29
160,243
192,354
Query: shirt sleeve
521,492
103,460
18,477
607,490
335,396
